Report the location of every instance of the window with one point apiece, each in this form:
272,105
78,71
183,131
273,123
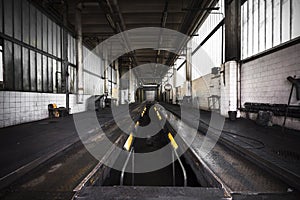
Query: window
1,63
269,23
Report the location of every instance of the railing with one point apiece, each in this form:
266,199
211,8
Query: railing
174,152
125,165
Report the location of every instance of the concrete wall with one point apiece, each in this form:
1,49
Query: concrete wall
264,80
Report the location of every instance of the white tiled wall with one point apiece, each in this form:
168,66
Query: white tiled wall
264,80
205,87
22,107
229,89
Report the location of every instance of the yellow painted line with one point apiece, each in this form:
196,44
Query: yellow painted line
128,143
137,124
145,109
155,109
173,142
158,115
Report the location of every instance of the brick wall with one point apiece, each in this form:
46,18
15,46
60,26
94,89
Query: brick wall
264,80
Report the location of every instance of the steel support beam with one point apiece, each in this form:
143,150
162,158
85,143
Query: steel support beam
106,66
79,56
189,69
65,74
232,30
117,82
174,84
130,84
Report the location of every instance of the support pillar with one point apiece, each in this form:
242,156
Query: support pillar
130,84
65,71
117,82
174,84
105,63
229,82
189,70
79,54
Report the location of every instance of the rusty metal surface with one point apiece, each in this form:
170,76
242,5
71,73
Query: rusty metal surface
162,193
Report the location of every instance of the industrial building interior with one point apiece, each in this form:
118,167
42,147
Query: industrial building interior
160,99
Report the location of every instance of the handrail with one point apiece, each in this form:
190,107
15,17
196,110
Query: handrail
183,169
124,167
175,147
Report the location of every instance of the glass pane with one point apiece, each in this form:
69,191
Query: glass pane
71,80
39,72
250,22
295,18
276,21
50,34
33,70
58,41
1,16
8,66
244,41
17,19
255,27
262,26
286,31
269,23
45,74
58,77
50,73
33,29
17,67
45,33
39,29
54,69
69,48
25,19
26,69
54,36
8,16
1,64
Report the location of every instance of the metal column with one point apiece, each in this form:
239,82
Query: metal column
232,30
130,84
189,69
65,74
174,84
79,54
105,73
117,82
